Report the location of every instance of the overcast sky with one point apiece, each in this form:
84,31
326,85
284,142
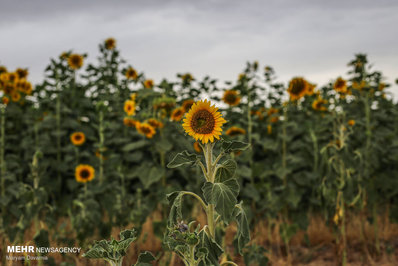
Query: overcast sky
314,39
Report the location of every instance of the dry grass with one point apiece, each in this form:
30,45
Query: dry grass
316,246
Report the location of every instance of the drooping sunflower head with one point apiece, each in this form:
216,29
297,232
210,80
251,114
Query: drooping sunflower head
155,123
77,138
129,122
298,87
15,96
75,61
148,83
272,111
231,97
340,85
274,119
110,43
177,114
166,103
131,73
351,122
84,173
196,147
318,104
203,122
129,107
146,129
359,85
187,104
235,131
22,73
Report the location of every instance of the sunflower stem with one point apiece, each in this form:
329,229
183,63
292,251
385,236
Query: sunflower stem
208,152
2,148
101,145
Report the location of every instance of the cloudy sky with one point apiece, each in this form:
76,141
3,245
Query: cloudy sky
314,38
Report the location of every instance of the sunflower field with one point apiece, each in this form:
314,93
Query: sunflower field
197,172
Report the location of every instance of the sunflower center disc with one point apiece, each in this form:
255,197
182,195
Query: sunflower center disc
298,87
203,122
84,174
78,137
231,98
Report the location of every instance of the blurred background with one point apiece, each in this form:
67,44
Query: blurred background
314,39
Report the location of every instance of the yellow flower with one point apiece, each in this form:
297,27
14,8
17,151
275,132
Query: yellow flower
133,96
340,85
64,55
15,96
203,122
13,77
75,61
187,78
146,129
235,131
131,73
84,173
231,97
272,111
177,114
22,73
77,138
351,122
129,107
110,44
241,76
187,104
311,89
382,86
196,147
148,83
9,88
269,129
155,123
3,69
5,100
274,119
129,122
359,85
318,104
298,87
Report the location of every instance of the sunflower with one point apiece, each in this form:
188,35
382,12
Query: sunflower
359,85
298,87
64,56
77,138
272,111
340,85
146,129
187,78
9,88
129,122
163,103
110,44
231,97
133,96
129,107
381,86
155,123
148,83
177,114
13,77
203,122
311,89
318,104
241,76
75,61
187,104
5,100
351,122
15,96
235,131
84,173
274,119
22,73
3,69
131,73
196,147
